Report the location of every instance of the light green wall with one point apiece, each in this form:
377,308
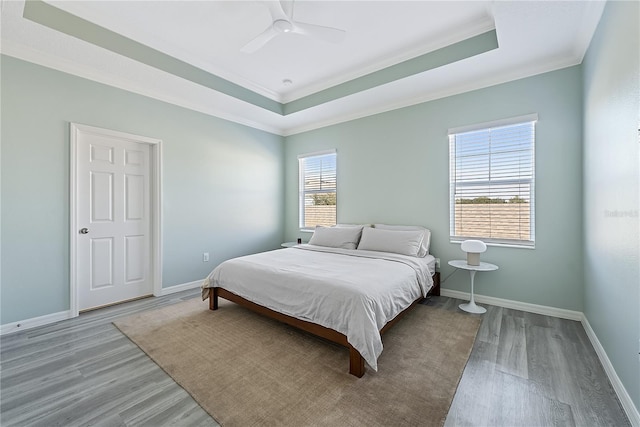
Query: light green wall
222,183
612,189
394,168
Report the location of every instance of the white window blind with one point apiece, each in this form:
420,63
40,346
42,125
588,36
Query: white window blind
317,189
492,181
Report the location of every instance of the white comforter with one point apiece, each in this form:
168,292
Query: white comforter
354,292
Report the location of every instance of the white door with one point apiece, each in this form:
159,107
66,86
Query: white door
113,236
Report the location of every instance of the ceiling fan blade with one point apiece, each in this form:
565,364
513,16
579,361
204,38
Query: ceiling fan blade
276,10
287,8
329,34
262,39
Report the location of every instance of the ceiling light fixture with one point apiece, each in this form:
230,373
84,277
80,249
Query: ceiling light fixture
287,82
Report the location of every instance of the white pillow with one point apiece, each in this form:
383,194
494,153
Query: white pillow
426,241
336,237
400,242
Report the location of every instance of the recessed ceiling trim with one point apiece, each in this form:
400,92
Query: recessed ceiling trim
59,20
467,31
447,55
525,49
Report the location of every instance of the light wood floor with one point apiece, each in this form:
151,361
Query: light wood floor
532,370
525,370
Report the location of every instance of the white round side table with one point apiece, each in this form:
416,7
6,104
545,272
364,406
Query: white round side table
461,264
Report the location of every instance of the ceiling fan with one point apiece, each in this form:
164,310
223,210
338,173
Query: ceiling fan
282,22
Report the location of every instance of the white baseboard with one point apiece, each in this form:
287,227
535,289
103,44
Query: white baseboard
627,404
179,288
64,315
22,325
516,305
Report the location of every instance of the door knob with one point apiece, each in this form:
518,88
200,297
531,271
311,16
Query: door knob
84,231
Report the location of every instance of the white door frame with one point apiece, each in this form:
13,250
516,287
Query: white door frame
155,149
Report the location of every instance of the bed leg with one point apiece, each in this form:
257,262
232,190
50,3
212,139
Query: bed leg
435,290
213,299
356,362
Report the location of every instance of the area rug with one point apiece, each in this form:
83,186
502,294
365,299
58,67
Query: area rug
248,370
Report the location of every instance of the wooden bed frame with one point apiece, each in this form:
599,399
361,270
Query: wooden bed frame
356,361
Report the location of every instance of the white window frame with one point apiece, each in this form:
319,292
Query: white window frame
528,243
302,191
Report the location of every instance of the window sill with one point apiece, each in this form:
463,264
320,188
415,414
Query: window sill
498,244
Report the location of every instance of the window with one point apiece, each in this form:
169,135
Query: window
492,179
317,189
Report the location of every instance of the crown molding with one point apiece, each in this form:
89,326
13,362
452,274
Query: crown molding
495,79
246,111
589,23
25,53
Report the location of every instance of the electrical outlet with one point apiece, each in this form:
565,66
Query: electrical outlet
437,263
205,257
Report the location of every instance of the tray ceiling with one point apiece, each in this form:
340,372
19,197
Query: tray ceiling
394,53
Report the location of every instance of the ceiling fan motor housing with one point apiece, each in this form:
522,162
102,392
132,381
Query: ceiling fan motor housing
282,26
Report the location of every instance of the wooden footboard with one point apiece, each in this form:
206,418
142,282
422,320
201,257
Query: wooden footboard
356,361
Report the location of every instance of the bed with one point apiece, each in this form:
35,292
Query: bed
349,294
